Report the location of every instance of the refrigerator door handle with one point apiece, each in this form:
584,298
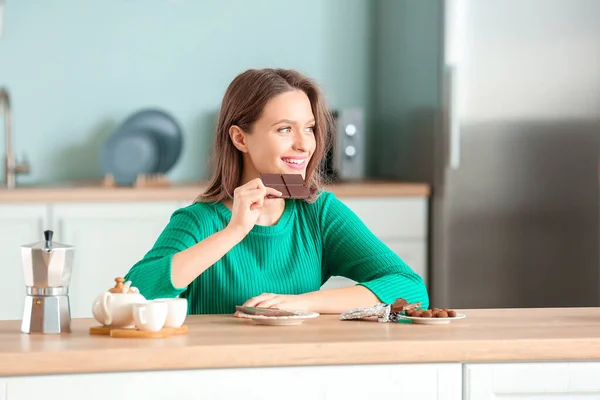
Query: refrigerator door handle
452,125
455,14
453,119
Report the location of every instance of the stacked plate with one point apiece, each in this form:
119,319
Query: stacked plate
274,316
148,142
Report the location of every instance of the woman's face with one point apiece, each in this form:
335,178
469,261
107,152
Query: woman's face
282,139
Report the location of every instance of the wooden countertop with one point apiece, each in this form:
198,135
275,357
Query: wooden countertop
95,192
216,341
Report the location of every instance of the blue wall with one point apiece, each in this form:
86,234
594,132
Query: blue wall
75,69
406,86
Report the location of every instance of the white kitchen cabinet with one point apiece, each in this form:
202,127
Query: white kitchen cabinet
338,282
392,381
400,223
392,217
402,381
412,252
19,225
108,238
536,380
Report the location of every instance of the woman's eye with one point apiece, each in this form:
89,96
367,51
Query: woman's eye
311,128
287,129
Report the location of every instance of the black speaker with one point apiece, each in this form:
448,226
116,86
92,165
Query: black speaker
346,159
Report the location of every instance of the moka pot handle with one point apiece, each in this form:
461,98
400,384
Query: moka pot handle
104,308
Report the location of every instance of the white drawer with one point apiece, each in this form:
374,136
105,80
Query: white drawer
392,217
536,380
323,383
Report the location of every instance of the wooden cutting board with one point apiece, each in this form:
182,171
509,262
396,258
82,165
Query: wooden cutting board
136,333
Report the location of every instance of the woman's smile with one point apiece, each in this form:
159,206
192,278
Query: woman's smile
296,163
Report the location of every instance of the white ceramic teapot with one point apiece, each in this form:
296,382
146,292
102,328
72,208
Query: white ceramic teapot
113,307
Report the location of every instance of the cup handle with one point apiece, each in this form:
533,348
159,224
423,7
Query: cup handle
141,314
104,308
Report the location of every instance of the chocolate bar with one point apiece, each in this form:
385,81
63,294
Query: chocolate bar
268,312
291,186
383,312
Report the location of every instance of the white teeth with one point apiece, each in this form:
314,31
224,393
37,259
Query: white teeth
293,161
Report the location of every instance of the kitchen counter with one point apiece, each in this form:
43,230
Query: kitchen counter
217,341
95,192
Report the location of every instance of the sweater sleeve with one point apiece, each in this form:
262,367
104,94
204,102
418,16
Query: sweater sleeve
351,250
152,274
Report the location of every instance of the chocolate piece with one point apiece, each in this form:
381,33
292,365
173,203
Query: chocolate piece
293,179
298,192
282,188
271,179
383,312
399,305
432,313
270,312
291,186
284,192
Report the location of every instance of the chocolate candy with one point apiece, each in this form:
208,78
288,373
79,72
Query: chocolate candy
291,186
399,305
433,313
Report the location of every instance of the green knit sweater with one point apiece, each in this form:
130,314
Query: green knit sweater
310,243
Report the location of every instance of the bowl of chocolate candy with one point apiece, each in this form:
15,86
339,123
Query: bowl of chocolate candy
435,316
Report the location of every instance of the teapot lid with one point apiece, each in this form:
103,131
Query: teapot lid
47,244
120,287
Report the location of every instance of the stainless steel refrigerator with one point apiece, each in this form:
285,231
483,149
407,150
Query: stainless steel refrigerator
496,103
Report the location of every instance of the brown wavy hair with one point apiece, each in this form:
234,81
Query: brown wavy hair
242,105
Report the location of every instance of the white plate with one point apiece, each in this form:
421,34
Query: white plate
289,320
433,321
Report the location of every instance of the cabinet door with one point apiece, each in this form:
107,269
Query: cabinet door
401,223
108,238
559,381
392,217
19,225
412,252
404,381
399,381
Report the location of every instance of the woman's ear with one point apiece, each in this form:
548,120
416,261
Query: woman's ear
238,137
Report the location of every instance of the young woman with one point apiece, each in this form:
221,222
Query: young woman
234,246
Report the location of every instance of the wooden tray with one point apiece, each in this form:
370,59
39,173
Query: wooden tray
136,333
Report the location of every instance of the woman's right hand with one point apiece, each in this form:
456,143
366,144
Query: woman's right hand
248,201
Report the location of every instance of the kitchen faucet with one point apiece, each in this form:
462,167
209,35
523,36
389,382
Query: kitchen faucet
11,166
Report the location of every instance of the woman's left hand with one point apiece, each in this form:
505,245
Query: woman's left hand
281,301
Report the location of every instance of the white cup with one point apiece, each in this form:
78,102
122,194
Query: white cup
176,311
150,315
